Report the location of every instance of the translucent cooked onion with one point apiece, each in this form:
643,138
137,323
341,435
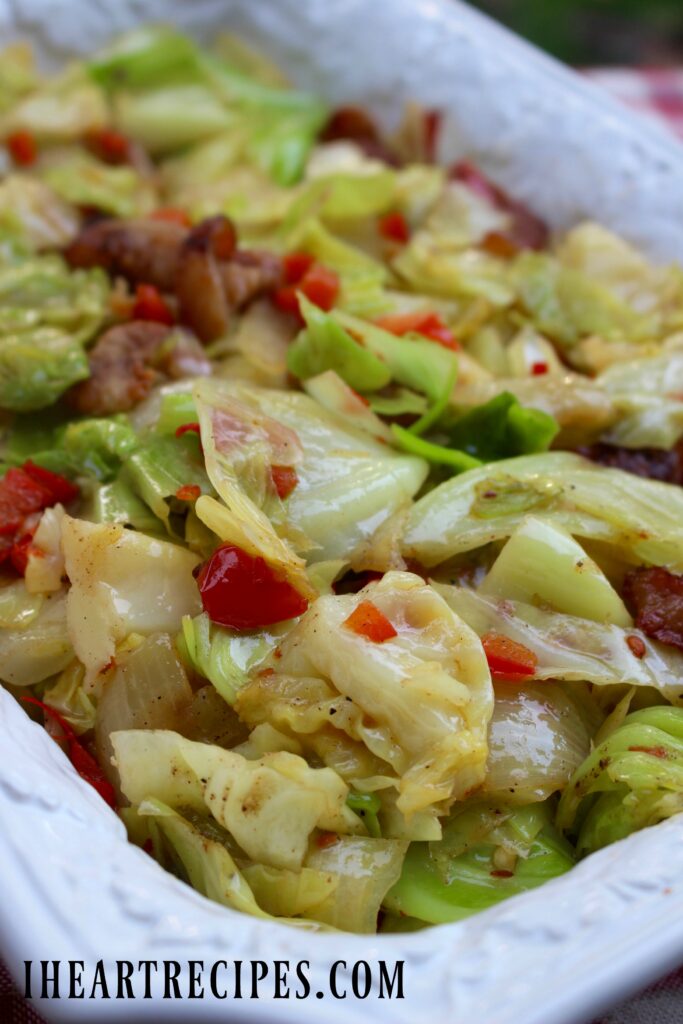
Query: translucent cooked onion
537,739
147,690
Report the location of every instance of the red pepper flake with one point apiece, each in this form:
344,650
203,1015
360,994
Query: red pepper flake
242,591
187,428
499,245
507,659
661,752
501,873
150,305
394,227
148,847
428,324
637,646
284,480
368,621
325,839
84,763
539,368
22,147
432,125
111,146
173,215
188,492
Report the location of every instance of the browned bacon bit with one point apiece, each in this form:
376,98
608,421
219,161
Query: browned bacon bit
120,374
199,288
654,596
356,125
661,752
144,250
637,646
250,273
653,463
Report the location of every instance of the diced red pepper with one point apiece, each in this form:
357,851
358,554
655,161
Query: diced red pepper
22,147
507,659
186,428
539,368
188,492
242,591
84,763
318,283
428,324
111,146
60,489
394,227
368,621
284,480
173,215
295,265
150,305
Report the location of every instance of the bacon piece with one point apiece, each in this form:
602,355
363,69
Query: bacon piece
653,463
144,250
356,125
654,596
120,371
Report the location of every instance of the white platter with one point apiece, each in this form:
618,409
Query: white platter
72,887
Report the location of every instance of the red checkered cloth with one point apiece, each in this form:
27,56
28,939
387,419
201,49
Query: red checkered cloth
658,93
655,92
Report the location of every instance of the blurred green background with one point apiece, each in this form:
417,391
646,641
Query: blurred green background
591,32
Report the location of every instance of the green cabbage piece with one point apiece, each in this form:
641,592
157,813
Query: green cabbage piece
642,517
459,875
366,806
159,467
349,482
224,656
270,805
325,345
457,461
62,109
568,304
47,313
631,780
98,447
502,428
572,648
115,502
82,180
17,74
37,646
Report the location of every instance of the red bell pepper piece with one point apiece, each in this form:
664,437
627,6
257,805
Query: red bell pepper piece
507,659
428,324
242,591
84,763
368,621
394,227
284,480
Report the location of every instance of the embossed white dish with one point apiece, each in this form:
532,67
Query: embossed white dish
72,887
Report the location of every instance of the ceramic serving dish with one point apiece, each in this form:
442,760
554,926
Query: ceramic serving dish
72,887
